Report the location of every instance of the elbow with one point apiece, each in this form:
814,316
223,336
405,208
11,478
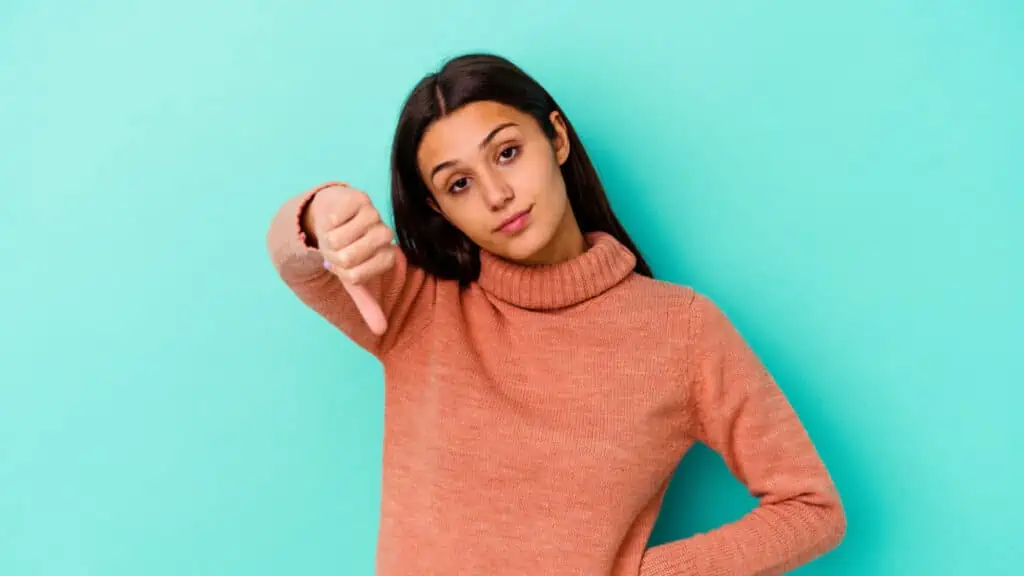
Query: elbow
837,526
832,526
825,528
830,520
824,531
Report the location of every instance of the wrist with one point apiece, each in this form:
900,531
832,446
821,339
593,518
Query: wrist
307,214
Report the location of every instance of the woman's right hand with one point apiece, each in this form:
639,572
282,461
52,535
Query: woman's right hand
356,245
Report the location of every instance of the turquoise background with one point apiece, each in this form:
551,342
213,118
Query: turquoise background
844,179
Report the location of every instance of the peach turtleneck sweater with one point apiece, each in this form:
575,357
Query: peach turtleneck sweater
534,417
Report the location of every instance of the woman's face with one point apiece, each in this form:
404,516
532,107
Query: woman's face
496,176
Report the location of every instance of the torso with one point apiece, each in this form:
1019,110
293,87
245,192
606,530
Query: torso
518,440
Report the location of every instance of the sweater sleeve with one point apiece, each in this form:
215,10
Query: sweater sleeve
405,292
739,412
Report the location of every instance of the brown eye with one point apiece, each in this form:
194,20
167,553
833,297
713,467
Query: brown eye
508,154
459,185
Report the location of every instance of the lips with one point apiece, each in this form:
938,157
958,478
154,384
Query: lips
514,222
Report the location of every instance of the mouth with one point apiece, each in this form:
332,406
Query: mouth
515,223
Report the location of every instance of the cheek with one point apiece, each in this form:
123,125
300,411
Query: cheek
552,190
540,180
465,214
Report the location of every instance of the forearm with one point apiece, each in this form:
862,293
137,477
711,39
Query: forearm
737,409
772,539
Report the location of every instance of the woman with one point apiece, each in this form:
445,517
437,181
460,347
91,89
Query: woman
541,386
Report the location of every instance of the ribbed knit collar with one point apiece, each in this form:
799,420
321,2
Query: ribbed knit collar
605,263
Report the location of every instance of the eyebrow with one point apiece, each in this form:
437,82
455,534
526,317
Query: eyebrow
483,143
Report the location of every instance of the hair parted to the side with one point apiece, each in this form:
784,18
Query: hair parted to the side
426,237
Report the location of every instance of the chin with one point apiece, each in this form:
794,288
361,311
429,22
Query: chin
523,247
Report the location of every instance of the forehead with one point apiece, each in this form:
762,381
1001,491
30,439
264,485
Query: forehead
459,134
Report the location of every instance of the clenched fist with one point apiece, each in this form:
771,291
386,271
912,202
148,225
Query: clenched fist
355,244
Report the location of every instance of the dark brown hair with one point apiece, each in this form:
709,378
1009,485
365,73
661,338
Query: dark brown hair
427,238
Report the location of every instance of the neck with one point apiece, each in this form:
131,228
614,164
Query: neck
604,264
567,243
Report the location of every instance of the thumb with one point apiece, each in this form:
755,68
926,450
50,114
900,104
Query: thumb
368,307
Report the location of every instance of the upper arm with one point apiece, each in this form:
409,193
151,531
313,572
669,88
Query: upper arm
740,412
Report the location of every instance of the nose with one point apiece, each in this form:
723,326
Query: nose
497,192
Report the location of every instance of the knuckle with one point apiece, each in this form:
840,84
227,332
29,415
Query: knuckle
372,215
360,196
343,258
334,240
349,202
369,231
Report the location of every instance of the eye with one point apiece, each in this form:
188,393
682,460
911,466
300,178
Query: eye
458,185
508,154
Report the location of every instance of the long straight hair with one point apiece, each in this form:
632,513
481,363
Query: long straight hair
427,238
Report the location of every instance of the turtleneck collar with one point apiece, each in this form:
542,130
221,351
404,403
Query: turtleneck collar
605,263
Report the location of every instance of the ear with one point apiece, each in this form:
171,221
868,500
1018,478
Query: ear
561,140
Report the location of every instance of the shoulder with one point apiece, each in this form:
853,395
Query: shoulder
659,306
683,307
654,290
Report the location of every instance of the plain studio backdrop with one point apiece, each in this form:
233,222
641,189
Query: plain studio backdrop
844,179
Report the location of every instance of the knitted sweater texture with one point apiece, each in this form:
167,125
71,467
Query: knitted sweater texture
534,417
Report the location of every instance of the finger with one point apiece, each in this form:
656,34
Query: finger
363,248
377,264
368,307
340,205
341,236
